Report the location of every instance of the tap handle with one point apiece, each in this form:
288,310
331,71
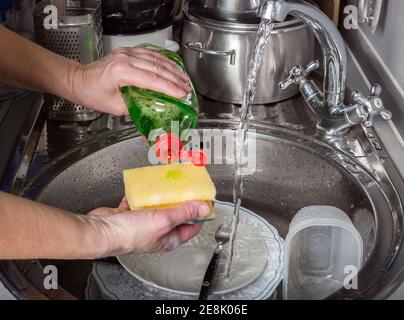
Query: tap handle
376,90
360,98
289,81
373,105
378,104
298,73
312,66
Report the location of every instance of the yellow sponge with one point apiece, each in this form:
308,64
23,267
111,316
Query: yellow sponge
168,185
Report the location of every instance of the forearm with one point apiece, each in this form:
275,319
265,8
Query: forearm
95,85
26,65
32,230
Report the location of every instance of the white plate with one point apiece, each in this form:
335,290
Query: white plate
181,271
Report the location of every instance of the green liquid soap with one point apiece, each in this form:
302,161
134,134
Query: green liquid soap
152,110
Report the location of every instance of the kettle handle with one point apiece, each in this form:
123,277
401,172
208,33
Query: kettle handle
198,47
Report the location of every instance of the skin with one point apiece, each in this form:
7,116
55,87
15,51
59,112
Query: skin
33,230
96,85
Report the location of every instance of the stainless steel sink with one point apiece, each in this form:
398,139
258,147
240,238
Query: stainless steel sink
293,171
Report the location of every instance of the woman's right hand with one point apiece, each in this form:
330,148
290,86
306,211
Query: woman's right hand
97,85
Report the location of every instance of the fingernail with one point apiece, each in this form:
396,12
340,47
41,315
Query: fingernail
183,82
182,93
184,76
172,242
172,62
203,211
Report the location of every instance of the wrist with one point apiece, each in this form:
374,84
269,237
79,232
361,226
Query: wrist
74,81
97,237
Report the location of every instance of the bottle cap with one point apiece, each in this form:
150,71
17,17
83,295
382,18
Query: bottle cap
197,156
168,148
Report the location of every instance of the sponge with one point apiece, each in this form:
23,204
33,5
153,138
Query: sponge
165,186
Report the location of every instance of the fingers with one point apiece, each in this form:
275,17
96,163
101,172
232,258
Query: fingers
149,70
159,61
152,81
187,232
162,71
150,53
178,236
103,212
148,230
124,205
118,106
188,211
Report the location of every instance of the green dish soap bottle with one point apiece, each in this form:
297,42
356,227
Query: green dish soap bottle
155,115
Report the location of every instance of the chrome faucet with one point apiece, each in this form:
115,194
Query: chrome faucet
333,116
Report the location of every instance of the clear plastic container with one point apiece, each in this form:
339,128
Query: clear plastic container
321,250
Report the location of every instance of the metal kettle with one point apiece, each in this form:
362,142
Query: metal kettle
136,16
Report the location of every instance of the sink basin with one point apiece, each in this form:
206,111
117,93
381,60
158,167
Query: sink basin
292,172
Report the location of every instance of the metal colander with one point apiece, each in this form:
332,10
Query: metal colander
78,36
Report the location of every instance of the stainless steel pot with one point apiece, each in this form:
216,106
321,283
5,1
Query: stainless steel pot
226,10
216,54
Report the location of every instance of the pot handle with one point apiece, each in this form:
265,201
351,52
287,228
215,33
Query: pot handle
198,47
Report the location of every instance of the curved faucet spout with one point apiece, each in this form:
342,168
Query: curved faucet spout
331,42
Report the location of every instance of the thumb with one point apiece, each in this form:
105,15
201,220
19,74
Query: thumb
186,212
103,212
119,106
124,205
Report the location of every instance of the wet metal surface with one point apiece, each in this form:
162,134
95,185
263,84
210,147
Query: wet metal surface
294,170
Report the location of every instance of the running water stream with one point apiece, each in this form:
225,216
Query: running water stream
263,33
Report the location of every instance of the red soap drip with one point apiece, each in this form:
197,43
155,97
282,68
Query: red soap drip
197,156
168,148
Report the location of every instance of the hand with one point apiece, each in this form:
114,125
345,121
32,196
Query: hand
121,231
97,85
